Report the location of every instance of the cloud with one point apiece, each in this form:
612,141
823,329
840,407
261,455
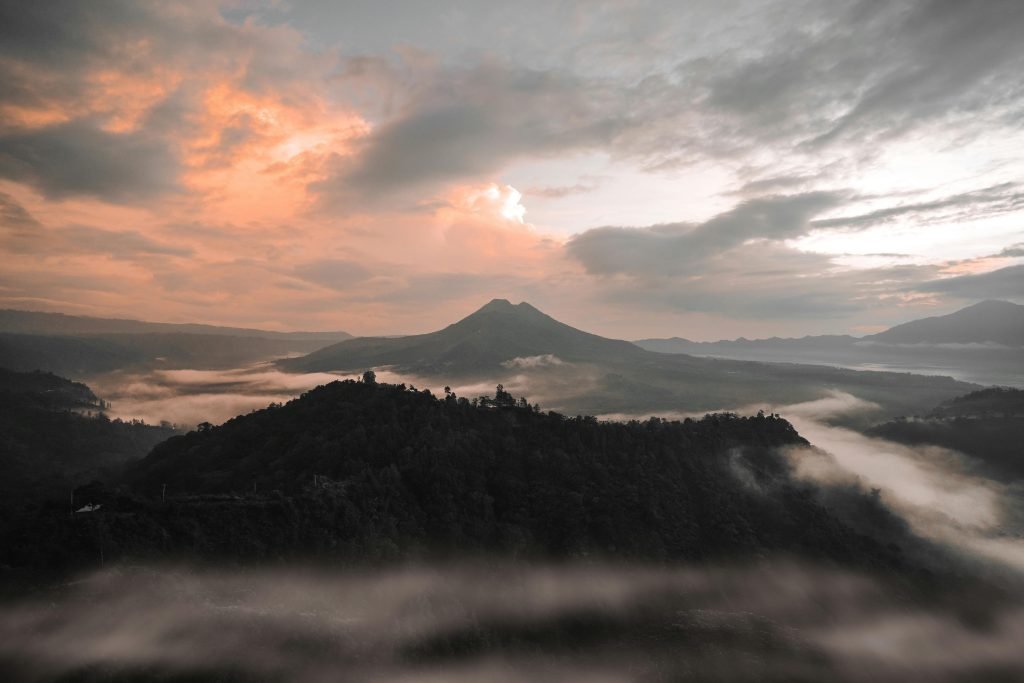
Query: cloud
967,205
315,171
871,71
14,216
1005,283
333,273
469,122
679,249
491,623
560,191
79,158
530,362
117,243
951,60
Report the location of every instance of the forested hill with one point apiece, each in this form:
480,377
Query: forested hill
987,425
359,468
53,437
45,390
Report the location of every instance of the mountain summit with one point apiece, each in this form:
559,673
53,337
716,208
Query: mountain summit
999,322
497,333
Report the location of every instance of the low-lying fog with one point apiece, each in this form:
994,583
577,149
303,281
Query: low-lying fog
188,397
930,487
775,621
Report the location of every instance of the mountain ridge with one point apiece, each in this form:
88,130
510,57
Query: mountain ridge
909,332
64,324
989,321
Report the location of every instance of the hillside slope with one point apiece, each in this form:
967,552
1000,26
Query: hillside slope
995,322
368,468
495,334
53,438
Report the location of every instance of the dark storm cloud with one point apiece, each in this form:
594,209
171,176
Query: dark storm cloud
677,249
79,158
1005,283
1013,251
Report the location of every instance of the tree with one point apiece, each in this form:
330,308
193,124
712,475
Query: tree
369,377
502,398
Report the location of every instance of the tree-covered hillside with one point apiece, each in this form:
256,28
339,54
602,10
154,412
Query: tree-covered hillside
360,470
987,425
53,437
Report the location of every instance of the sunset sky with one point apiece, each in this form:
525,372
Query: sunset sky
706,169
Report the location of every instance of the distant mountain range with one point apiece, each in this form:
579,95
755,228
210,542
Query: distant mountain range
82,347
558,365
60,324
576,371
982,343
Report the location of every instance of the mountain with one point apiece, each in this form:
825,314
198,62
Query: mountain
53,437
499,332
82,347
810,345
988,322
60,324
82,357
983,343
578,372
992,402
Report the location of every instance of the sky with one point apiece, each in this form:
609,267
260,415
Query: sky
636,168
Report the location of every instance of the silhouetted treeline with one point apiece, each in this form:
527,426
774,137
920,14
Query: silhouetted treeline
359,470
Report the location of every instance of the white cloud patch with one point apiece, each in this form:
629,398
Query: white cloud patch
530,362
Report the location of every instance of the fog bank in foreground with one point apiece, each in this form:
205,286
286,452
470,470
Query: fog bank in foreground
513,623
